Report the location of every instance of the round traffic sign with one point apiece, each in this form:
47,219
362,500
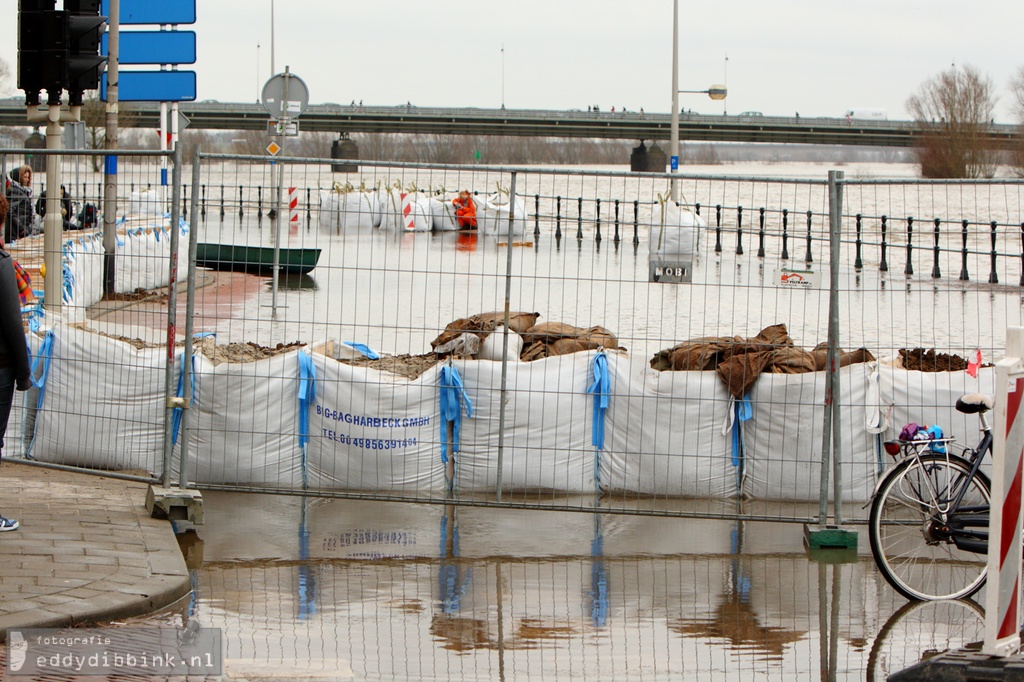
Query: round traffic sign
285,95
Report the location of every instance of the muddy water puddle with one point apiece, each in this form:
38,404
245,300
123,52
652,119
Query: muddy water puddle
342,589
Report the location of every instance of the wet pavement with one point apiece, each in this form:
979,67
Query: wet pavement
86,551
306,588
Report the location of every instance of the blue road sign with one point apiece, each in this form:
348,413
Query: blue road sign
154,11
674,163
153,86
154,47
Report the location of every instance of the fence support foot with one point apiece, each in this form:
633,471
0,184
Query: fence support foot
175,504
829,537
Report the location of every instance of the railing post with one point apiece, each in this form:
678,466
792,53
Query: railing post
718,228
936,273
536,216
963,252
993,278
760,233
909,268
809,257
883,265
1022,255
597,222
240,209
259,201
785,234
617,221
579,219
739,230
636,222
558,217
858,263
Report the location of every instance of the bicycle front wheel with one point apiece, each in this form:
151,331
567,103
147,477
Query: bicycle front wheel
910,516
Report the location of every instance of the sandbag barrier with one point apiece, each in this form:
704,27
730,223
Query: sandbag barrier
950,236
302,420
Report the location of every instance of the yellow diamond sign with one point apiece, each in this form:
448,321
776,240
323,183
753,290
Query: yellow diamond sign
273,148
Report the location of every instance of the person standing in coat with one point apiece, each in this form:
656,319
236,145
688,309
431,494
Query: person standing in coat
14,367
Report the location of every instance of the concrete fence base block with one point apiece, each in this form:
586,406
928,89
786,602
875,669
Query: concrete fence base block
175,504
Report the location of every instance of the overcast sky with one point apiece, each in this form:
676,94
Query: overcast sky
812,57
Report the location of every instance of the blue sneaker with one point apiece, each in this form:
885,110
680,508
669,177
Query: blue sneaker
8,524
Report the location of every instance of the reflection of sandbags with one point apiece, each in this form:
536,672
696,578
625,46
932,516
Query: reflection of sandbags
482,324
677,234
493,215
348,210
549,339
495,342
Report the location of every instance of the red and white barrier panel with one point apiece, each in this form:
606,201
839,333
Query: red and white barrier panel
293,206
1002,597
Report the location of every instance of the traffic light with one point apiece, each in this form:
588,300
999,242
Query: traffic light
42,55
85,64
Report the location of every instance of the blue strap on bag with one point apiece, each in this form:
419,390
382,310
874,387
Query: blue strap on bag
452,395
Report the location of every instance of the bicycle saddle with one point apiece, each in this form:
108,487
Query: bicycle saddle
974,403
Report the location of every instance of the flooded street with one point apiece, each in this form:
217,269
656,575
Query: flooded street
344,589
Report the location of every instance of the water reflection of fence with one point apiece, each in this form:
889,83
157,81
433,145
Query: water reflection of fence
578,257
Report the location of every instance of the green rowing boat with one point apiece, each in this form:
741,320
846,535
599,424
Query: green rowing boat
255,259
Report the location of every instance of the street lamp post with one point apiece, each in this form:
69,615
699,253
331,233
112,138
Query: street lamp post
716,92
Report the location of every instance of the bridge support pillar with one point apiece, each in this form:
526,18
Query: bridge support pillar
647,160
344,148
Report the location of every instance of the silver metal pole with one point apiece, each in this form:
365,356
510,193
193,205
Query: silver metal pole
53,226
172,320
190,307
832,357
111,145
508,305
674,146
835,220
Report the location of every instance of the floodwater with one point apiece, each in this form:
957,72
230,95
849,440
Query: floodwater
396,291
343,589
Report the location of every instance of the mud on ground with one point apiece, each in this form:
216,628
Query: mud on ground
929,361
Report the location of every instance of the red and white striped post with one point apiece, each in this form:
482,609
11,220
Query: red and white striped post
293,209
408,219
1003,595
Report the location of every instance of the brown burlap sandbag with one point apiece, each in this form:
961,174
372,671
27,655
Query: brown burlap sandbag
483,324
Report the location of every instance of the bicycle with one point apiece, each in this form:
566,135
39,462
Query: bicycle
929,513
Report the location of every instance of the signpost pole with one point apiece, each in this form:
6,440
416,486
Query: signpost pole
110,144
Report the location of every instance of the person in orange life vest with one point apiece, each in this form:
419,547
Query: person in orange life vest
465,210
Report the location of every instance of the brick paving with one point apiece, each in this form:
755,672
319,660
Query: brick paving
87,550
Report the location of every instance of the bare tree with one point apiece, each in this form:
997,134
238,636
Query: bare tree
953,110
1017,92
6,85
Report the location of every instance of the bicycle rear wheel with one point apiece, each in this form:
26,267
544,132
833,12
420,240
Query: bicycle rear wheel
911,549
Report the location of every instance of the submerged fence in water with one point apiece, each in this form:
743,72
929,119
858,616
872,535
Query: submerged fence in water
285,397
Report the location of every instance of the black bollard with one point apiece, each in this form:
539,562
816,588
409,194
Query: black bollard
857,262
240,210
184,201
936,274
883,266
204,201
309,204
963,251
222,201
558,217
739,230
808,257
909,269
536,216
785,234
617,221
993,278
760,232
636,222
579,218
259,201
718,228
597,222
